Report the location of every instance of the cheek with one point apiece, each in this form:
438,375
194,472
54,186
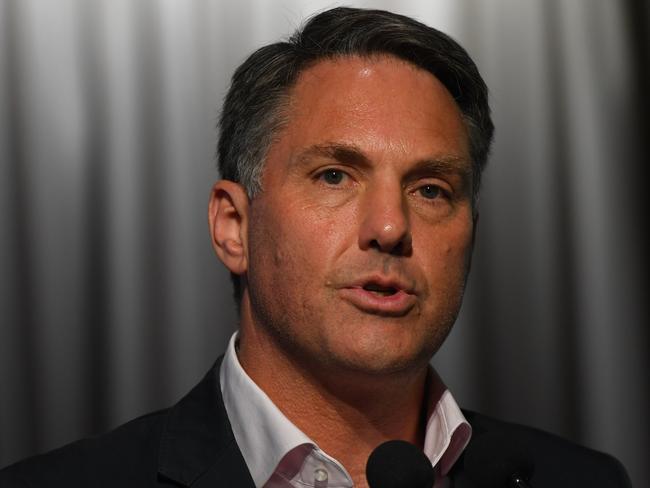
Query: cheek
269,249
290,254
319,231
449,257
291,245
275,262
456,252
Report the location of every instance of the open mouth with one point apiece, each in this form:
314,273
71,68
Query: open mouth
383,291
388,298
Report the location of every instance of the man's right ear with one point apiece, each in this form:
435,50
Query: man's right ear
228,219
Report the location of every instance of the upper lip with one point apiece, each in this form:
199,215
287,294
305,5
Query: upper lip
386,282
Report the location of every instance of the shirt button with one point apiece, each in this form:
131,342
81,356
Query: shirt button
320,476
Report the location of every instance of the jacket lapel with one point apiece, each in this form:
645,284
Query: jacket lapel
457,475
197,447
460,480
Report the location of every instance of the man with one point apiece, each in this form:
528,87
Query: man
351,158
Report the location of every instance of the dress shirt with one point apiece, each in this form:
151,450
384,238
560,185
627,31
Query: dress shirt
279,455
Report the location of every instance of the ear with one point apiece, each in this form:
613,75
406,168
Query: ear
228,219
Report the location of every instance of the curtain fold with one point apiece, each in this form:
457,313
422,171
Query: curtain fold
113,303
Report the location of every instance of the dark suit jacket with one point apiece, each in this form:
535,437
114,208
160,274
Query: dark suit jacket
192,444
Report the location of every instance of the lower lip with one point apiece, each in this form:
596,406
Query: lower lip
396,305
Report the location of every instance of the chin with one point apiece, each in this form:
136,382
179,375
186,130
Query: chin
380,347
386,359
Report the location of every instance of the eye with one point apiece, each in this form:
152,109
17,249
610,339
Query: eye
332,176
430,192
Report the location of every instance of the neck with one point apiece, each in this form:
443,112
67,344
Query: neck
338,409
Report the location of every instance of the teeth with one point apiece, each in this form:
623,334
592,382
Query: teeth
385,293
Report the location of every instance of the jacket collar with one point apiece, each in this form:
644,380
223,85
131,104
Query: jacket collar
197,446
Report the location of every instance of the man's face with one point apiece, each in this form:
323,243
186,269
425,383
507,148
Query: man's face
360,241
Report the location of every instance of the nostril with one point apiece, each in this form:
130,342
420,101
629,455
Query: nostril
398,249
392,242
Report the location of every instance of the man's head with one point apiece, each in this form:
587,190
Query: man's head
357,149
255,108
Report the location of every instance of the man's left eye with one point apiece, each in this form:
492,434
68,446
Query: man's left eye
430,191
332,176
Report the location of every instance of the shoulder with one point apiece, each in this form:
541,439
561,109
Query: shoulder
192,439
558,461
122,457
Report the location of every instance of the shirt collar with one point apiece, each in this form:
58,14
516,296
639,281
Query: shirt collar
447,432
256,421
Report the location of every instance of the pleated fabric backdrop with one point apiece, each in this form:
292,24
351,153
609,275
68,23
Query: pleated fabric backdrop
112,303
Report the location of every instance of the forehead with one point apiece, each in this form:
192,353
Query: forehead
378,103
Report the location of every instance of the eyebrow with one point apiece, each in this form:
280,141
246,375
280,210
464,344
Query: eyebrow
444,165
352,155
343,153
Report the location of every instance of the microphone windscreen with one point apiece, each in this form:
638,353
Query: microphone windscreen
399,464
492,459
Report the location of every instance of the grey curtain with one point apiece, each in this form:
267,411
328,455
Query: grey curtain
112,303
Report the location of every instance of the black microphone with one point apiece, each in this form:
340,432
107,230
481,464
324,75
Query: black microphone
399,464
494,460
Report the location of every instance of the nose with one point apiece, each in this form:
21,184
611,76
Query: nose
385,222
